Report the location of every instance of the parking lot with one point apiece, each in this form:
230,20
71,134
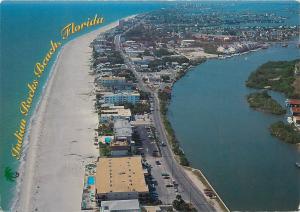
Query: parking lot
161,184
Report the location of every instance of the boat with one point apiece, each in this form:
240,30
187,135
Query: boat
290,120
297,164
284,45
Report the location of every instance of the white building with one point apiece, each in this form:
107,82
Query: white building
122,130
113,113
120,206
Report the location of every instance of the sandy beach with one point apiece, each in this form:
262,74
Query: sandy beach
61,135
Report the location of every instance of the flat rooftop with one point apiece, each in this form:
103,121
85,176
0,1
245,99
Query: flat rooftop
117,111
120,205
122,128
122,174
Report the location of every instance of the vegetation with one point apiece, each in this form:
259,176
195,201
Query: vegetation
277,76
139,108
144,95
162,52
263,101
165,78
104,150
164,101
178,59
115,58
287,133
180,205
129,76
106,129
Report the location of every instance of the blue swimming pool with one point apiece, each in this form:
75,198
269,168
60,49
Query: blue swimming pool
91,180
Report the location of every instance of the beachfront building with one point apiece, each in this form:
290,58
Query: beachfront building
111,80
120,97
119,148
120,178
132,205
122,130
113,113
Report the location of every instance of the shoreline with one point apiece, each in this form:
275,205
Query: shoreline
194,174
24,187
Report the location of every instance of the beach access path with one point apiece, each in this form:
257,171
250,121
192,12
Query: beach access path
62,133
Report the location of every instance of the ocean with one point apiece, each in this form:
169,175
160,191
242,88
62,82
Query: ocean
26,31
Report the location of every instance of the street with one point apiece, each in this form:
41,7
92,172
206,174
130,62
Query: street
187,188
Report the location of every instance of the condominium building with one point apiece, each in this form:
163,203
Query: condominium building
120,178
120,97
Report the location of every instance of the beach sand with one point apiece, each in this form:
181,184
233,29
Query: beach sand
61,135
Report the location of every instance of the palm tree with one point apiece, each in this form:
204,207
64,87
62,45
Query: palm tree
9,175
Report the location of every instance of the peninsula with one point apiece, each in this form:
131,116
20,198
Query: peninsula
263,101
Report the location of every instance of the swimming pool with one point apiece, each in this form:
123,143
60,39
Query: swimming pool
91,180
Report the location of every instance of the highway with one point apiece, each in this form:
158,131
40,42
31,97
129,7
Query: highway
189,190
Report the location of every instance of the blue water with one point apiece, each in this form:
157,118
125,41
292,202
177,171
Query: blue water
230,142
26,31
91,180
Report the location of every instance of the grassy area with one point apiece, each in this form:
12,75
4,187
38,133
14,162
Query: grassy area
264,102
162,52
164,101
277,76
287,133
180,205
104,150
139,108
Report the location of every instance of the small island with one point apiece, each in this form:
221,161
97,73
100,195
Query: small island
285,132
275,75
263,101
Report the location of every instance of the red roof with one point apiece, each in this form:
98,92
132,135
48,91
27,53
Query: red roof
295,109
294,101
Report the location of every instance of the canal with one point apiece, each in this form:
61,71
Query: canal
230,142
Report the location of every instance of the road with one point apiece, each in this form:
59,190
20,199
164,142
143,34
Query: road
189,189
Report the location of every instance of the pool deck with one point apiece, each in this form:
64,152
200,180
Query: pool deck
88,195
